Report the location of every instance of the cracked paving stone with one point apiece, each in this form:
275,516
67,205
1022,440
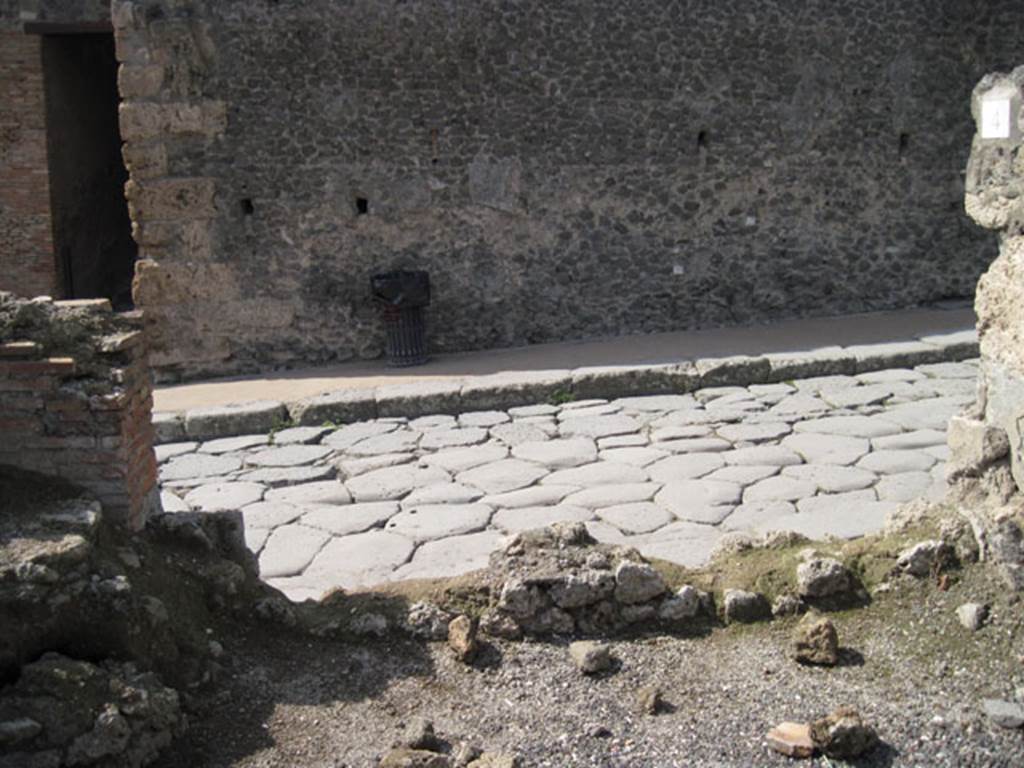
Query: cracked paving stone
850,426
753,515
483,418
452,557
698,445
685,467
300,435
198,465
360,560
351,518
399,441
536,496
599,426
233,444
598,473
322,492
754,433
529,518
270,514
442,493
502,476
612,495
827,449
439,521
832,478
638,457
351,434
392,483
743,474
453,438
762,455
896,462
288,456
278,476
350,467
218,496
289,549
517,433
779,488
904,486
854,397
460,459
699,501
687,544
558,454
170,450
640,517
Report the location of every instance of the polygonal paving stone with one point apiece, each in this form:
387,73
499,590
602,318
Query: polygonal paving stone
655,403
545,424
817,384
459,459
890,375
964,370
351,434
641,517
832,478
638,457
604,533
926,414
771,390
623,441
855,397
483,418
940,452
360,560
399,441
351,467
598,473
270,514
579,405
694,417
921,438
846,516
779,488
762,455
452,557
437,421
394,482
349,519
685,467
827,449
558,454
537,496
322,492
743,474
895,462
904,487
289,549
533,410
602,409
518,433
698,445
850,426
438,521
754,433
170,450
958,388
279,476
452,438
217,496
800,405
530,518
442,493
300,435
599,426
288,456
708,394
612,495
699,501
255,538
753,516
687,544
172,502
198,465
680,432
502,476
233,444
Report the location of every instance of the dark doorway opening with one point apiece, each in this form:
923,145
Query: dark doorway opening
92,232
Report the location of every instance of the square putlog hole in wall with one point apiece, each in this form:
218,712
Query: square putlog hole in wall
362,206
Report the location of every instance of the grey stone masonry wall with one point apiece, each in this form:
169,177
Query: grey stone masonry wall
563,170
983,438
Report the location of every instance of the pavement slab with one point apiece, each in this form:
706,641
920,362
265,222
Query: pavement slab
197,465
895,462
452,557
529,518
280,476
779,488
686,467
635,518
558,454
361,560
502,476
221,496
233,444
439,521
598,473
613,494
289,549
817,448
392,483
599,426
850,426
461,459
288,456
832,478
349,519
320,492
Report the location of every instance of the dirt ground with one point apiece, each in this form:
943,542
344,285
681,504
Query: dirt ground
908,667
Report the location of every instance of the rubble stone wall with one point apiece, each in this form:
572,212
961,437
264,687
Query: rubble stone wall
76,400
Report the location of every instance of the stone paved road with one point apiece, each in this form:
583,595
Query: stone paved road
670,475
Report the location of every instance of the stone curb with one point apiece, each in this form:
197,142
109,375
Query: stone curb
517,388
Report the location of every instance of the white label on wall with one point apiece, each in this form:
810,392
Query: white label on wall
995,119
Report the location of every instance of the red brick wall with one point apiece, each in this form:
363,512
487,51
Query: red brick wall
76,401
27,264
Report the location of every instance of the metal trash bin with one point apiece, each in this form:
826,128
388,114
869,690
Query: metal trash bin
403,296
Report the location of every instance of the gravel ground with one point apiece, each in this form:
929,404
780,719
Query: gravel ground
909,667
